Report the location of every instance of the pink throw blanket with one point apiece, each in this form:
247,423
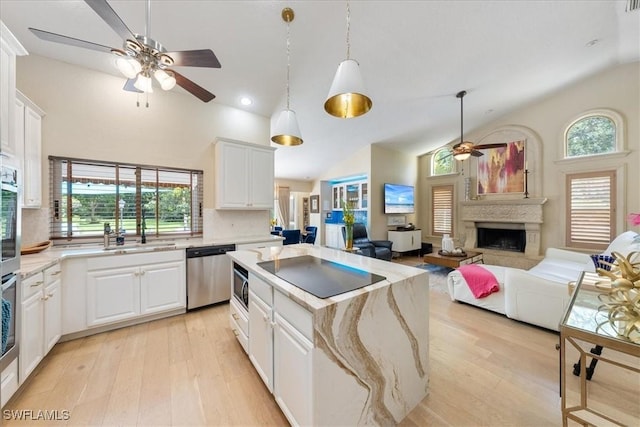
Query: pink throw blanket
481,281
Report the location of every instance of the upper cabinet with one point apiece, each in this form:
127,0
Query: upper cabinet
244,175
355,193
10,47
28,132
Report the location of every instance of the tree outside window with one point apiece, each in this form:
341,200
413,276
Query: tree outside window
594,134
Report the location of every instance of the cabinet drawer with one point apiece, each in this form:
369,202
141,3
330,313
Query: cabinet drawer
52,274
261,288
293,313
9,382
238,317
31,285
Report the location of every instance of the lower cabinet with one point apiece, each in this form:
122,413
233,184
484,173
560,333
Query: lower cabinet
281,349
106,290
405,241
8,382
115,295
41,318
333,236
293,353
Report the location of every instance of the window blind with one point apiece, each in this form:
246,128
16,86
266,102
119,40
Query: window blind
591,209
442,210
86,194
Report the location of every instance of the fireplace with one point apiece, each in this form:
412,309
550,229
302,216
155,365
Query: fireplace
503,237
519,222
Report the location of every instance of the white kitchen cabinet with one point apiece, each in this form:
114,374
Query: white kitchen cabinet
333,236
8,382
261,338
405,241
355,193
28,131
293,368
112,295
239,323
10,47
140,287
244,175
103,292
281,350
41,318
31,347
162,287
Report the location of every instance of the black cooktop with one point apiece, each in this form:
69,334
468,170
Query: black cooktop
320,277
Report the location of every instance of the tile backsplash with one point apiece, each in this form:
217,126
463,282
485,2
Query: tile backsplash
35,226
222,224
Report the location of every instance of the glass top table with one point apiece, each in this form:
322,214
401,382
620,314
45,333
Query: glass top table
584,322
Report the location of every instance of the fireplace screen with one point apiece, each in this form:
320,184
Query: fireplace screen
501,239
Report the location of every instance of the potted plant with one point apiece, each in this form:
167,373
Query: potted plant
348,219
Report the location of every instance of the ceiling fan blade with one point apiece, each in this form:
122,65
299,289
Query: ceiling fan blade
485,146
197,91
195,58
108,15
128,86
476,153
59,38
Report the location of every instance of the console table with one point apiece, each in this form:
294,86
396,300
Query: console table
579,328
405,241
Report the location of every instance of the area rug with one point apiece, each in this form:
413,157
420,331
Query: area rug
437,277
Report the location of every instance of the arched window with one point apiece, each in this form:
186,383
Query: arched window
593,133
442,162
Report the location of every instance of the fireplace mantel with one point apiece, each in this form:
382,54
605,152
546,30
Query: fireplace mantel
520,211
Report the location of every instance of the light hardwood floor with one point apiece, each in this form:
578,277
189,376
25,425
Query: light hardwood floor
189,370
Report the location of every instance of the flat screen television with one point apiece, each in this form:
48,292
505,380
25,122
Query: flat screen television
398,199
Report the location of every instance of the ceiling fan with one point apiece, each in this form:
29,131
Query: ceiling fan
142,57
464,149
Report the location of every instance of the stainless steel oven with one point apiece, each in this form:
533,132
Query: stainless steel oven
10,226
241,285
10,301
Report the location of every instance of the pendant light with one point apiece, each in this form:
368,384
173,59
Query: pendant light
286,131
461,150
347,96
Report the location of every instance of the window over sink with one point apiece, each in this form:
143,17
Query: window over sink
86,194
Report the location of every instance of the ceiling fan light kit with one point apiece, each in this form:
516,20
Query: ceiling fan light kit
142,57
465,149
347,96
286,131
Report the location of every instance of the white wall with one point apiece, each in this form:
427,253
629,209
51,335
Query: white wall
617,89
89,116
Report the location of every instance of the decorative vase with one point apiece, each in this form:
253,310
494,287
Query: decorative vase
348,231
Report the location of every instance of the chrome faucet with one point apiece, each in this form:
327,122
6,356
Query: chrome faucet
107,235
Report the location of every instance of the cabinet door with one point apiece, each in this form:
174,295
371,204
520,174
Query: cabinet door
261,339
162,287
364,196
52,315
32,158
112,295
261,186
7,86
292,372
32,335
232,188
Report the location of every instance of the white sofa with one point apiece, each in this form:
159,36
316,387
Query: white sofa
539,295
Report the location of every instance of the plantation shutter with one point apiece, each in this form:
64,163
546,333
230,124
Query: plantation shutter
591,209
442,210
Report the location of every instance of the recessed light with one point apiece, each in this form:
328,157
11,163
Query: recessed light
246,101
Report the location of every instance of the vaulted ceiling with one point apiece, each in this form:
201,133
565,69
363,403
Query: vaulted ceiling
414,57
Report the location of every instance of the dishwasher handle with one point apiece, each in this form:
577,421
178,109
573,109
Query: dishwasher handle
209,251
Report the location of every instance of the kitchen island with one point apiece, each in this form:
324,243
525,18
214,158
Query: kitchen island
356,358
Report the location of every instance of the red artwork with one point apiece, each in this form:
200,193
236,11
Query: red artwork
501,170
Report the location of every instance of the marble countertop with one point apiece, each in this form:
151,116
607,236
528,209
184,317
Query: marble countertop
393,272
34,263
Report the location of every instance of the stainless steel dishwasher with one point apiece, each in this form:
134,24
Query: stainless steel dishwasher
208,275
